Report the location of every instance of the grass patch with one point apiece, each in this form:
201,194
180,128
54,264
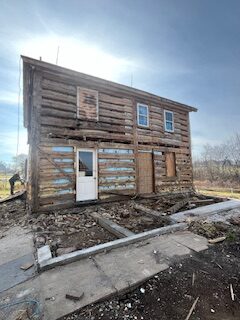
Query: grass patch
5,186
225,194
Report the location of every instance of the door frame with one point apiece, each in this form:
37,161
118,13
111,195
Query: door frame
95,158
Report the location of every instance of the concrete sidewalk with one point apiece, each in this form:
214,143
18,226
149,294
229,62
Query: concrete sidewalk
16,250
106,274
205,211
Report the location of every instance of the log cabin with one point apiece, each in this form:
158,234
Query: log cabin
91,139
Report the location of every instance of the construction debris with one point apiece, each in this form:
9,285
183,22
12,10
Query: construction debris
177,206
22,315
153,213
231,292
216,240
74,295
192,309
17,195
27,266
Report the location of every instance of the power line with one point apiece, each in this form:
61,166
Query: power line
19,103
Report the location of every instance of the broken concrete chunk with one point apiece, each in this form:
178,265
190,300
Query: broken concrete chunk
27,266
40,240
216,240
44,253
74,295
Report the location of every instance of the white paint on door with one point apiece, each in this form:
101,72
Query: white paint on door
86,175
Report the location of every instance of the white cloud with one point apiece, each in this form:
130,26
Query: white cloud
78,55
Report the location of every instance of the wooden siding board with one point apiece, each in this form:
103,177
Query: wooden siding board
56,124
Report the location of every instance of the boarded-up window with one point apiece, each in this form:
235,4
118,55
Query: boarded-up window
170,164
87,104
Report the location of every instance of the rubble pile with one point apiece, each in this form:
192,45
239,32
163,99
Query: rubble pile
66,232
125,215
12,214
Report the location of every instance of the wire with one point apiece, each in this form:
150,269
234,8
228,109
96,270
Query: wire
36,313
19,103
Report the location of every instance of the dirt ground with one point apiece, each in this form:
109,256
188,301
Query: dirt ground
170,294
12,213
127,216
68,230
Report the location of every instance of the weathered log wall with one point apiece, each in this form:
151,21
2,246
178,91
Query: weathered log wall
59,129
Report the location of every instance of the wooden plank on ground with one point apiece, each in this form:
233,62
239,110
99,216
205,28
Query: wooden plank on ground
152,213
14,196
177,206
111,226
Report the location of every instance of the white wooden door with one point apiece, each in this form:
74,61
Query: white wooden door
86,175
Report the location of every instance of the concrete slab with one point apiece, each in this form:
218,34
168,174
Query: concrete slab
128,268
191,241
109,273
11,273
82,275
17,242
21,296
224,216
81,254
205,211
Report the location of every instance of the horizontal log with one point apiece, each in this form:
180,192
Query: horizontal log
115,173
56,198
115,107
45,111
115,115
115,164
114,99
57,96
116,156
117,182
59,105
59,86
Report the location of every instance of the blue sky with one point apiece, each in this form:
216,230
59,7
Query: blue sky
186,50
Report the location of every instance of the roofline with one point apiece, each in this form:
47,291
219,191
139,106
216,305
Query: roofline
59,69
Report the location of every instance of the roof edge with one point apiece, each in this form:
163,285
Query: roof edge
60,69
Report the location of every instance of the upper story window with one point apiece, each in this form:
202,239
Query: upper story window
142,115
87,104
168,121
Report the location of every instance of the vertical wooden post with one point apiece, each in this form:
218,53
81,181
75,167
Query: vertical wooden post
190,149
135,142
35,140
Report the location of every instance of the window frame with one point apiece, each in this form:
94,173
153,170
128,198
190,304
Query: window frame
165,121
138,115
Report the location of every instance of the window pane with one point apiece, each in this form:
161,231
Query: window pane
169,125
142,110
86,163
143,120
169,116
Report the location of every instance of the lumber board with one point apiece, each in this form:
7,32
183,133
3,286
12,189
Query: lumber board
153,213
112,227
